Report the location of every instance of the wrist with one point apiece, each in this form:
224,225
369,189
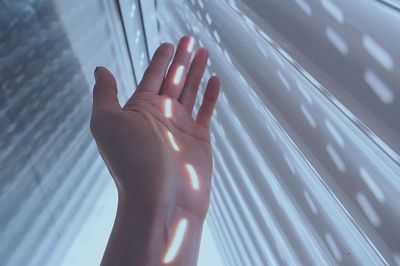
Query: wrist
132,238
149,233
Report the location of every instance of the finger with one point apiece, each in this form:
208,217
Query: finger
176,76
196,71
154,75
209,100
105,91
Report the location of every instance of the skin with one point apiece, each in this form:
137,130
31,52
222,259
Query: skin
154,188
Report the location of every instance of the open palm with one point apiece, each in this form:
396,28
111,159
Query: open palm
152,146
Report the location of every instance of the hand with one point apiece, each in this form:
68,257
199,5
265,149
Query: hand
149,147
134,142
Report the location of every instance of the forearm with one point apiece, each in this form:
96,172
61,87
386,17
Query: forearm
146,237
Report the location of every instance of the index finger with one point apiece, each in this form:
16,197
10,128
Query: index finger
154,75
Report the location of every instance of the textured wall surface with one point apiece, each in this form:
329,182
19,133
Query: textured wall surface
51,173
45,105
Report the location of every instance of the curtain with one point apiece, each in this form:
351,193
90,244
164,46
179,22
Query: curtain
306,134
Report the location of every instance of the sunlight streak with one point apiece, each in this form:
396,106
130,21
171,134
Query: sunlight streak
193,176
176,242
178,75
190,45
168,108
172,141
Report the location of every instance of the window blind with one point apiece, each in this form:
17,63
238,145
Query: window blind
54,185
306,133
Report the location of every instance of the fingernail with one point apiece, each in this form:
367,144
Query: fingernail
95,70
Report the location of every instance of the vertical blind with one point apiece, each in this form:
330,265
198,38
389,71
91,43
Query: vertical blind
306,134
51,174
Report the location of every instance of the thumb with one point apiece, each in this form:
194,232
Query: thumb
105,91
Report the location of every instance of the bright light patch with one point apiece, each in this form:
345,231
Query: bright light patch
304,91
216,35
190,45
283,80
193,176
333,246
178,75
336,158
168,108
336,135
378,52
368,209
305,7
176,242
308,116
337,41
208,18
379,86
334,10
172,141
376,190
310,202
